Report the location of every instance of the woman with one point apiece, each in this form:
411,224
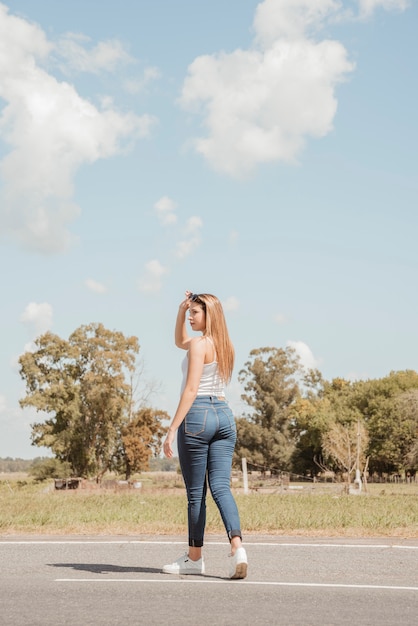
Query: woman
206,430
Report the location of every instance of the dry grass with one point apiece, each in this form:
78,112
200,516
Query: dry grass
159,507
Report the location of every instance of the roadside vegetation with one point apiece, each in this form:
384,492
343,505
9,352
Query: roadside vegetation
157,506
97,416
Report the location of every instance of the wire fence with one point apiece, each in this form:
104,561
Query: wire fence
277,474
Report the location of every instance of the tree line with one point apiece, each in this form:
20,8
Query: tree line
86,390
299,422
9,465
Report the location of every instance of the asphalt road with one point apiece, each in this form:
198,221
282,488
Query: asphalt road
110,581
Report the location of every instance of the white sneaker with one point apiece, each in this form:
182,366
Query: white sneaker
184,565
238,564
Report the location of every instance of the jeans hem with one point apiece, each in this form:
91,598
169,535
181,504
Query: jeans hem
234,533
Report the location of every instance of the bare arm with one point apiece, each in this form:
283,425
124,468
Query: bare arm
181,337
196,358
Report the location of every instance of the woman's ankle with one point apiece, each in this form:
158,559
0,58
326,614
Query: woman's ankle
195,553
236,542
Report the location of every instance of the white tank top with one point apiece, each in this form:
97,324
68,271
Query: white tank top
211,384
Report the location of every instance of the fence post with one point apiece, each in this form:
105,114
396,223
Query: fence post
245,475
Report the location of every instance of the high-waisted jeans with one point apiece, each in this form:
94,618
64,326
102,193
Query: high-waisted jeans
206,441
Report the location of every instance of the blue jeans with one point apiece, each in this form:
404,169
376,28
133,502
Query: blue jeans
206,441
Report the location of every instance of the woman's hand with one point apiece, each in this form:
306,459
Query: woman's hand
181,337
167,447
186,302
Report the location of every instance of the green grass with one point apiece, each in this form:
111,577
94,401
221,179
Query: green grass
386,510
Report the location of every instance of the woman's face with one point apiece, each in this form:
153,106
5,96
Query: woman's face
197,317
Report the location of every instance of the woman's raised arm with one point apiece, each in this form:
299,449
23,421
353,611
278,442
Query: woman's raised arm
181,337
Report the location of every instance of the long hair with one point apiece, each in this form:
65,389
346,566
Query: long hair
216,328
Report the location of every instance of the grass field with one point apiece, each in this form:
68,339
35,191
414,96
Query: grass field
159,507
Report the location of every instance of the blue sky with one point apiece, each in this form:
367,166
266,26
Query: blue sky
262,151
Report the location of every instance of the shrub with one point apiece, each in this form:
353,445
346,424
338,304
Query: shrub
49,468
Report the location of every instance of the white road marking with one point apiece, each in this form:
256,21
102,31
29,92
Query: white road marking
205,581
215,543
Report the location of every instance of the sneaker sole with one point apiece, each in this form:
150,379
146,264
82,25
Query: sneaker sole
240,571
196,572
183,573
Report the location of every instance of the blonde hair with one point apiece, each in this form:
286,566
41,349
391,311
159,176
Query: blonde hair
217,330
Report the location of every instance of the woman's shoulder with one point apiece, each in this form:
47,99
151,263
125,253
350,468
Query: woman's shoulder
203,345
197,344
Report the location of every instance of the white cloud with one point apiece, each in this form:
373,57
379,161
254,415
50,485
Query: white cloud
261,104
185,247
51,131
307,358
80,56
151,281
367,7
95,286
136,85
2,403
356,376
30,346
164,209
194,224
106,55
37,318
231,304
233,237
290,19
280,318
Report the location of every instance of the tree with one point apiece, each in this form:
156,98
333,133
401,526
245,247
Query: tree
390,409
387,408
346,445
323,420
271,388
311,418
81,384
141,439
42,469
249,444
406,408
